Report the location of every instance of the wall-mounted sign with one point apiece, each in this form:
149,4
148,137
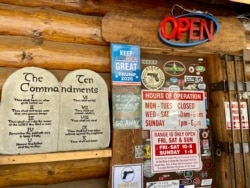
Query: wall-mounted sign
174,68
239,115
126,107
129,176
188,29
167,110
169,183
39,115
175,151
126,69
126,86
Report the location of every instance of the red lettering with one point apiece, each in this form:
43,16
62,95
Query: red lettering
183,26
173,22
193,34
209,31
199,29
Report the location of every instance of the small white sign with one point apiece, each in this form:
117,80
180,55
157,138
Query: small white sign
239,115
206,182
189,186
160,184
129,176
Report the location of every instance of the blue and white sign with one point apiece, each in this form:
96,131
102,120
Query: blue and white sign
126,68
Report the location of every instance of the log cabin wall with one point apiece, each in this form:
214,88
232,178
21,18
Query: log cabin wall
65,35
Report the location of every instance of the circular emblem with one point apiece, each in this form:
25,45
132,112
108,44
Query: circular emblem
179,172
188,174
174,88
200,68
127,174
197,181
202,86
207,164
191,69
205,134
174,68
147,169
152,77
173,80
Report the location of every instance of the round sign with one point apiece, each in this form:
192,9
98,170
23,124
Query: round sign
147,169
152,77
127,174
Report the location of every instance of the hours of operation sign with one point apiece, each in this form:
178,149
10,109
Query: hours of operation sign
166,110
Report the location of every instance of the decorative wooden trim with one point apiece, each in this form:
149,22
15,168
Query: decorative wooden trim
52,157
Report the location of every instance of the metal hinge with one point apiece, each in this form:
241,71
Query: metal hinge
231,148
139,151
231,86
233,57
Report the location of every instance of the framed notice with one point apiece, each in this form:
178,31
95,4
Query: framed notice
167,110
175,151
126,107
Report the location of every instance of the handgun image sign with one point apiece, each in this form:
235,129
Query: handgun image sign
153,77
129,176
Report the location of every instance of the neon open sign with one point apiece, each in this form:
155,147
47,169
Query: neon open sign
197,28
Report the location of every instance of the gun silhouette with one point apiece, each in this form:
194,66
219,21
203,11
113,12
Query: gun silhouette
151,184
154,75
125,173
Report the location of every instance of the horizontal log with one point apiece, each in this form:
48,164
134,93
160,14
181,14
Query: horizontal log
63,5
98,8
53,172
156,8
18,52
159,8
54,157
48,24
143,31
91,183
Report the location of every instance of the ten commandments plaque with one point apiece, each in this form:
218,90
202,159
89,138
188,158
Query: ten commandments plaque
38,114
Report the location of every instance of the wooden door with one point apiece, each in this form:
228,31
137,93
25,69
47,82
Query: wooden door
230,115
